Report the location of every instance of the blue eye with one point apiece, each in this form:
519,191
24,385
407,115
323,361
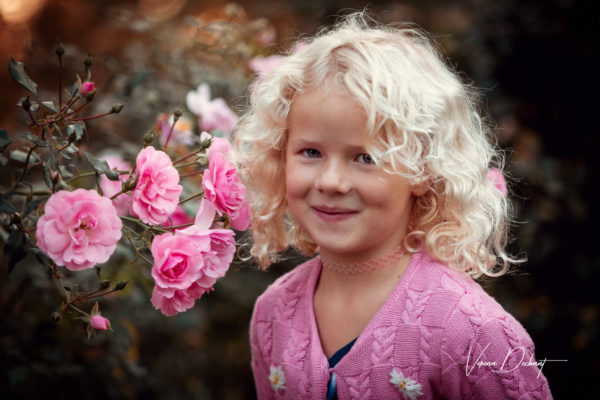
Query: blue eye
365,159
311,153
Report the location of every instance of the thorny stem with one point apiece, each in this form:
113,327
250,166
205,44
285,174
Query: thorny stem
191,197
137,221
71,100
84,297
191,174
32,118
188,156
77,309
60,77
92,173
118,194
187,164
175,118
93,116
137,251
25,168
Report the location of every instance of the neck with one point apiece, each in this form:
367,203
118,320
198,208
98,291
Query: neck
351,284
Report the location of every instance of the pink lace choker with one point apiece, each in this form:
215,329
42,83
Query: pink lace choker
363,266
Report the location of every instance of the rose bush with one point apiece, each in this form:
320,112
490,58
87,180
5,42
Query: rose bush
79,229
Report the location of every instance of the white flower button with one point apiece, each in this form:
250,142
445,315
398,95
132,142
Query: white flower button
277,378
408,387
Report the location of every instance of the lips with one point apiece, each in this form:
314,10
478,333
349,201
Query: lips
332,214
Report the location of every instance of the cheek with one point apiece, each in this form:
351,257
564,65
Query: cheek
297,181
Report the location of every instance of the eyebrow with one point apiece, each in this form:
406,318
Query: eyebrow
314,143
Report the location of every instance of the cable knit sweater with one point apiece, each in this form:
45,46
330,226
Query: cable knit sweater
437,336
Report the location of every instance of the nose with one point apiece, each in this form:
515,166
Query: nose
333,178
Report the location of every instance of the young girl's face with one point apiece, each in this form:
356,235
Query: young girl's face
349,207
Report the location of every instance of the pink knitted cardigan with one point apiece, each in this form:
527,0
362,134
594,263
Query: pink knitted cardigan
438,329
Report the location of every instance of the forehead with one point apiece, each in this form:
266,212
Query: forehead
330,111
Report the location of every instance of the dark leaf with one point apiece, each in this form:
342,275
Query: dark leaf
51,105
6,206
17,72
70,149
14,251
52,157
75,129
21,156
43,258
4,139
30,136
32,206
64,172
101,165
47,174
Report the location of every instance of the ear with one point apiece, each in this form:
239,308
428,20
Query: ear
420,189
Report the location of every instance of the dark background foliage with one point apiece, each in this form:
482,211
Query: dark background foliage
534,61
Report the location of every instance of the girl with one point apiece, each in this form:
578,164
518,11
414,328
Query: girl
364,147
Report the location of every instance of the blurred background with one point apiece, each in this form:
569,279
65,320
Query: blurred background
534,61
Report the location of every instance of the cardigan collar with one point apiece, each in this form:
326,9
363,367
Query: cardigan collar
344,366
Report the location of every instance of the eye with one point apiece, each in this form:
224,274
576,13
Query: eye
311,153
365,159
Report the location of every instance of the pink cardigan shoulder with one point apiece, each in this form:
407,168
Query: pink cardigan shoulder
438,335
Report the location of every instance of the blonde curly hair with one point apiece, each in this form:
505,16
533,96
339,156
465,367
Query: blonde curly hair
422,123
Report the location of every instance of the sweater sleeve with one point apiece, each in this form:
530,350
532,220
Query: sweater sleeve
490,357
260,366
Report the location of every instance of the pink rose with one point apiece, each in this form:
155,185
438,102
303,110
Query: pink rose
79,229
99,323
123,201
214,114
171,302
182,131
178,259
189,263
157,191
495,177
224,189
87,87
222,243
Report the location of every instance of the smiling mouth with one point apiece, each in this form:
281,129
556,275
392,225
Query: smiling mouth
333,214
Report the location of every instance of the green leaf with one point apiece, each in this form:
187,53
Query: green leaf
47,177
21,156
42,258
4,140
70,149
17,72
30,136
32,206
77,129
6,206
14,250
51,105
101,165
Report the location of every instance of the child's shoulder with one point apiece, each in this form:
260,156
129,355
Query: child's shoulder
290,285
458,299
